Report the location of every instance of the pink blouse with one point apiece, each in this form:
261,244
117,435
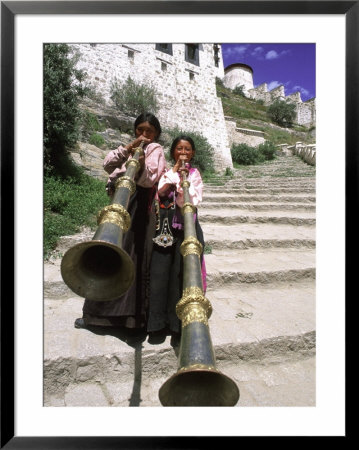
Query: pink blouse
172,178
155,164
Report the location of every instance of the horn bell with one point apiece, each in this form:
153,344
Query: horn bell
199,387
97,270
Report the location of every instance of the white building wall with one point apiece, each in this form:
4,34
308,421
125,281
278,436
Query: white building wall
186,92
306,112
237,76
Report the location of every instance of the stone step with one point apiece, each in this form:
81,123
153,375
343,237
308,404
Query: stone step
264,190
260,206
232,217
285,170
259,243
280,161
268,382
261,284
228,265
230,197
276,177
256,231
263,181
249,323
258,265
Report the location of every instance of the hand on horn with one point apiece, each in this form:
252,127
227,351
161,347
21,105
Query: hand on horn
136,143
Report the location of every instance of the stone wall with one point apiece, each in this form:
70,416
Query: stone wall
238,75
307,152
306,113
238,135
261,93
186,90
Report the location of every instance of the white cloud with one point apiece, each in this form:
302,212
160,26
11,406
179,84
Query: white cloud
273,84
239,50
257,52
301,89
272,54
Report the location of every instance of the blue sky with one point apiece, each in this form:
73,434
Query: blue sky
290,65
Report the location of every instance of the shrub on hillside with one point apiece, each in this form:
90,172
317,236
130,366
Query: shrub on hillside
239,90
219,81
268,149
90,122
204,156
134,98
63,88
282,112
244,154
97,139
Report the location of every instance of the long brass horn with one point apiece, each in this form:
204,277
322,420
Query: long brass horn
100,269
197,381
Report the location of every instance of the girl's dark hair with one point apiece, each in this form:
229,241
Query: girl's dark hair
181,138
151,119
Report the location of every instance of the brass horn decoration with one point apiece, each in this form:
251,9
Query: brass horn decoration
100,269
197,381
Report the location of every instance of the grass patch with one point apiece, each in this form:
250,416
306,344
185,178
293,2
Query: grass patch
97,140
90,122
207,249
70,203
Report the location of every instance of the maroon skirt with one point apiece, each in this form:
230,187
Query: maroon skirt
130,310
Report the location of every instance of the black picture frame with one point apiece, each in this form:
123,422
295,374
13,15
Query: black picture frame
9,9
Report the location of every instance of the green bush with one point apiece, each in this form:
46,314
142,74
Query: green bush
239,90
282,112
204,156
63,87
268,149
97,139
219,82
91,123
244,154
133,98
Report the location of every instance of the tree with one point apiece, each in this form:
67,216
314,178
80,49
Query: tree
63,89
204,156
282,112
134,98
239,90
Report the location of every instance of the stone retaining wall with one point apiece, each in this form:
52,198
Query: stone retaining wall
243,136
307,152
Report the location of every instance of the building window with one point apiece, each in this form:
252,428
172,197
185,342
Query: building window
192,53
216,54
131,54
191,76
165,48
163,66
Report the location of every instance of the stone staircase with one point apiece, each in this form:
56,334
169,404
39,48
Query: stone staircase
259,228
